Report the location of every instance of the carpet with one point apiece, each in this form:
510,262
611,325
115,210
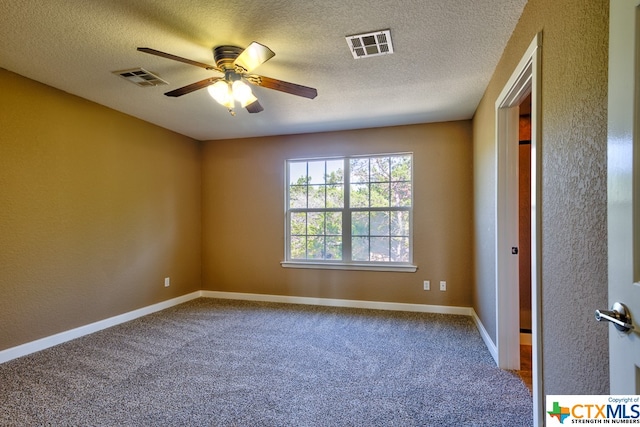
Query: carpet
214,362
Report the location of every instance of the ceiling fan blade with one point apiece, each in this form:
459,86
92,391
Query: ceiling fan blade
177,58
254,55
282,86
254,107
193,87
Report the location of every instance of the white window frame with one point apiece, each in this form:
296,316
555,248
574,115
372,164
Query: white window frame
347,264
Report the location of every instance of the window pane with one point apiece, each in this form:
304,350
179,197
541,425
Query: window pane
379,223
380,169
380,195
360,223
400,249
316,172
399,223
360,249
380,249
297,173
316,196
298,247
400,194
335,196
315,247
359,196
359,170
401,168
335,172
298,196
334,223
298,223
315,223
334,248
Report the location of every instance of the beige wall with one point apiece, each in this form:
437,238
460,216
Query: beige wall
243,215
573,208
96,208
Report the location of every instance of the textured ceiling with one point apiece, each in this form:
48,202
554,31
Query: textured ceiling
445,53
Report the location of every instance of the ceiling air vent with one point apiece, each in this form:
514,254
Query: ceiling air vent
370,44
141,77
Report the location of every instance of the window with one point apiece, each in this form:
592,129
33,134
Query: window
349,212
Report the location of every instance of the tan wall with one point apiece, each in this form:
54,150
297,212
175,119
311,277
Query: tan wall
573,208
96,208
243,215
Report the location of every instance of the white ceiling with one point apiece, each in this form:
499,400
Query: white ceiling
445,54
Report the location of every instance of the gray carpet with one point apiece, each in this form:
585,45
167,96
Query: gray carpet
228,363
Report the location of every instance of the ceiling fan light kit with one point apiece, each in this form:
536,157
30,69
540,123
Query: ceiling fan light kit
226,93
236,64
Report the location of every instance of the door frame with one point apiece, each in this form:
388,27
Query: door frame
623,202
525,80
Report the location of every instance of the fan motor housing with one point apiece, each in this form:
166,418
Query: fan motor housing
225,55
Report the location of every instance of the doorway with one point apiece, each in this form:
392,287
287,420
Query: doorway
524,83
524,239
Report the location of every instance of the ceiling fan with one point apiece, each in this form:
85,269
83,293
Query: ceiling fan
236,64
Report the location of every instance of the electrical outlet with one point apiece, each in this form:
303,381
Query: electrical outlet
443,285
167,282
427,285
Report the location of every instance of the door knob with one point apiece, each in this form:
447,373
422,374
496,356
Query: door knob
618,315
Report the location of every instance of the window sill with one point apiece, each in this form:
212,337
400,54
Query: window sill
399,268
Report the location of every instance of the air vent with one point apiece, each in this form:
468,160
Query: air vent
141,77
370,44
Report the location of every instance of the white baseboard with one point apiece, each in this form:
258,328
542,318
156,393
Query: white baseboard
331,302
485,336
50,341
